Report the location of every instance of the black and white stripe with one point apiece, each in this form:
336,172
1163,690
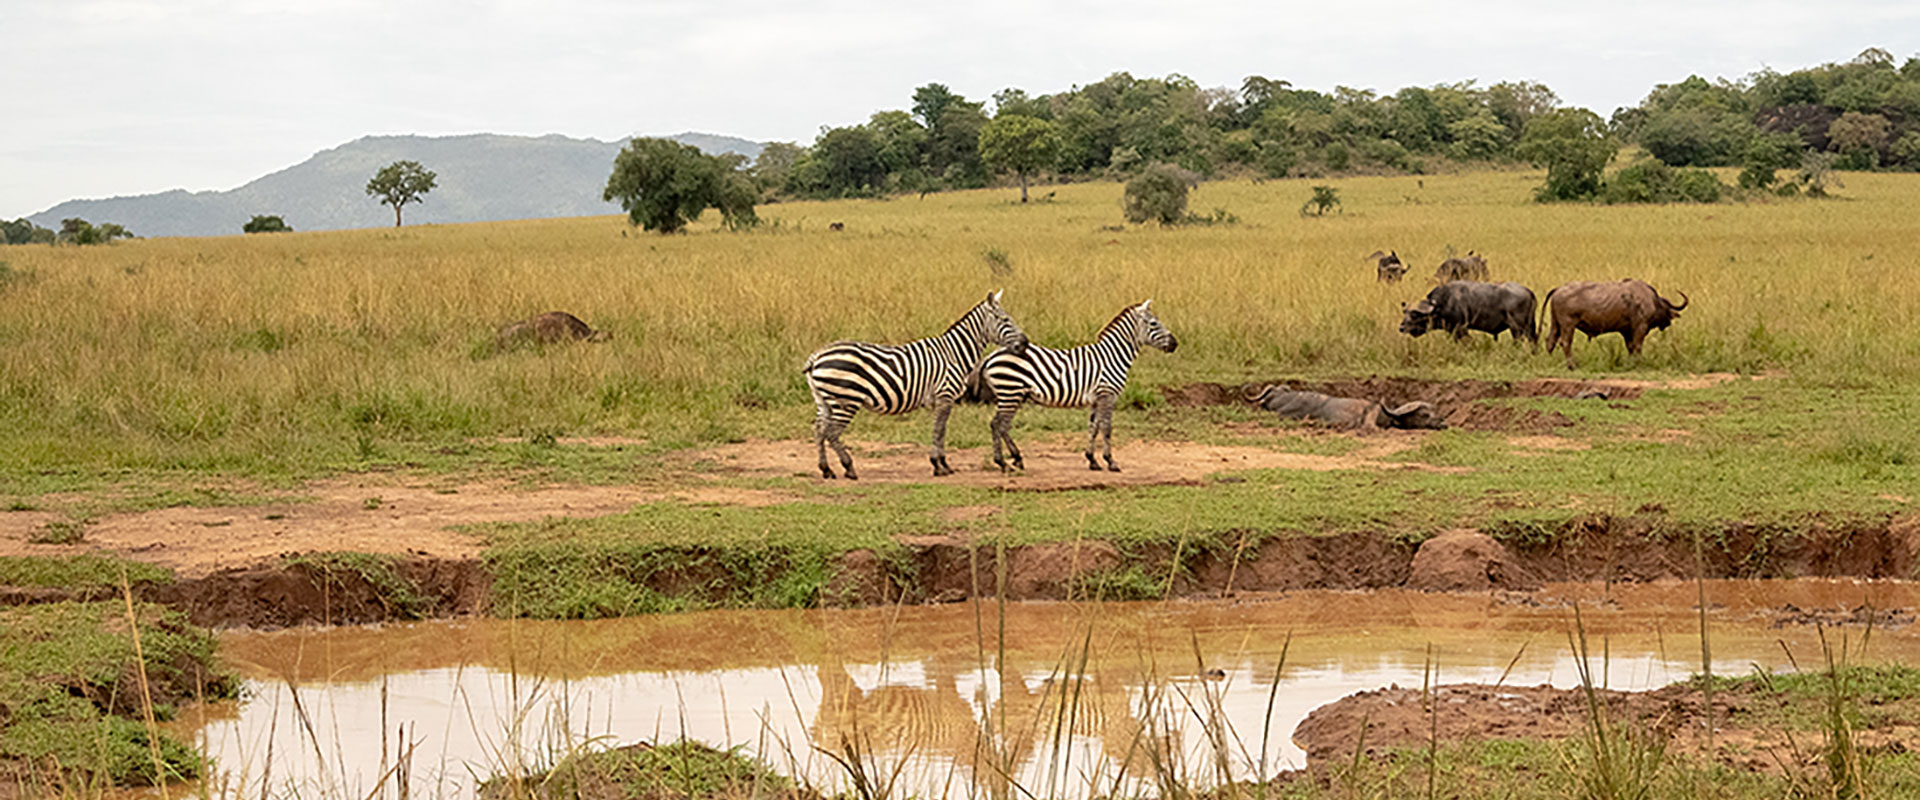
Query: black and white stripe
895,379
1087,376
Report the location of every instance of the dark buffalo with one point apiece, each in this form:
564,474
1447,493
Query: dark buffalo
1387,266
1471,268
1462,306
1344,412
1628,307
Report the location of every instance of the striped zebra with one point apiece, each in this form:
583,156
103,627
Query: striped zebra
1089,375
895,379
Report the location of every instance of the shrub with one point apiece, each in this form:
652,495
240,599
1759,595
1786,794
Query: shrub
262,223
1325,198
1655,182
1159,193
1766,154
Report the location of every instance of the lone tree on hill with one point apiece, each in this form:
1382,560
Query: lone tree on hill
262,223
1019,143
663,185
400,183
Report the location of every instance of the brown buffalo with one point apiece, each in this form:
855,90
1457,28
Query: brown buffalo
548,328
1471,268
1387,266
1628,307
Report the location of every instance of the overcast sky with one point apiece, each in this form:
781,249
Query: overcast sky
120,97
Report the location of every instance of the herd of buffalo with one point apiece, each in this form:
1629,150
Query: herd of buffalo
1465,301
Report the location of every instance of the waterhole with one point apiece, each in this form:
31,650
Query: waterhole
1064,700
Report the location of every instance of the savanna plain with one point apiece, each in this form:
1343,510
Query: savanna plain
319,428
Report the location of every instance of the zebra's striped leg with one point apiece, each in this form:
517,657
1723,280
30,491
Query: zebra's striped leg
1093,434
837,422
1104,410
942,408
820,439
1003,432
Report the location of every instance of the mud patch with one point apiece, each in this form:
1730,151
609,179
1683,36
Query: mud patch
1056,463
1465,560
365,514
1790,615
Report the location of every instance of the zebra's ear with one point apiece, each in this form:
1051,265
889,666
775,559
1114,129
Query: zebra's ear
1149,302
995,297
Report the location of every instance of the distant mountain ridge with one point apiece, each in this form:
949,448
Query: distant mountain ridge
481,177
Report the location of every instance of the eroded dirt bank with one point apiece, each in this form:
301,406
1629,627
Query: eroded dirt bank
936,569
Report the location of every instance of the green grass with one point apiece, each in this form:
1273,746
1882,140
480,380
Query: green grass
77,572
70,692
682,770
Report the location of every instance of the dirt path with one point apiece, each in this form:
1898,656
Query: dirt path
1056,463
369,514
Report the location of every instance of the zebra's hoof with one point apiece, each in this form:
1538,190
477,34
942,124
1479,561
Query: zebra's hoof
1112,467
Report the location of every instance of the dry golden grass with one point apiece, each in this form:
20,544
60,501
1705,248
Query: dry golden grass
285,351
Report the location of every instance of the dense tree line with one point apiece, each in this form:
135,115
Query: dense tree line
1865,111
1121,124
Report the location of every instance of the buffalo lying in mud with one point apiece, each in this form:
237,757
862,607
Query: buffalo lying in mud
1627,307
1471,268
1462,306
1387,266
548,328
1343,412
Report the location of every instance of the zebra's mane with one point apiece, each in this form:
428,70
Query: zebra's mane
1117,318
977,308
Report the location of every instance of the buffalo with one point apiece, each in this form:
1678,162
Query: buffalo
549,328
1627,307
1343,412
1387,266
1461,306
1471,268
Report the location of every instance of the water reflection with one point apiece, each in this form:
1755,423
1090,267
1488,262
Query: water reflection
1075,700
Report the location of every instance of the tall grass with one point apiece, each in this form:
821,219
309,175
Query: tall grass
308,350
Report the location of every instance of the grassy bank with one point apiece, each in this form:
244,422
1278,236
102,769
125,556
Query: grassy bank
81,686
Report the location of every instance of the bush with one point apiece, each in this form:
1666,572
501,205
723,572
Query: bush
1336,156
1655,182
1159,193
262,223
1325,198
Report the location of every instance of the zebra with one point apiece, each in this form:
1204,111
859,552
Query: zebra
895,379
1089,375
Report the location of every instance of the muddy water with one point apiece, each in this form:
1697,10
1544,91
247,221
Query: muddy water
1054,695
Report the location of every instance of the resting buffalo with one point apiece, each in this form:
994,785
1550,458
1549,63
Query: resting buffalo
1471,268
1343,412
1388,268
1629,308
1461,306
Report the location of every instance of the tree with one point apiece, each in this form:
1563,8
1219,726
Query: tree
772,169
23,231
400,183
1572,144
1019,143
75,230
663,185
849,160
262,223
1859,138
